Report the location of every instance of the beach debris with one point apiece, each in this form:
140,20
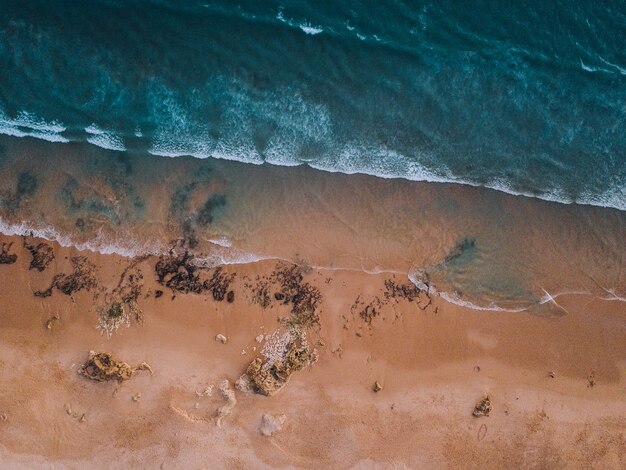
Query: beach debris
483,407
476,368
221,338
552,374
271,424
82,418
377,387
81,278
42,255
207,392
68,409
338,350
111,318
591,380
259,339
230,297
244,384
136,397
3,417
229,395
5,256
145,366
158,293
103,367
50,321
243,352
283,355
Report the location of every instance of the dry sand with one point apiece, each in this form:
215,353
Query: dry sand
433,364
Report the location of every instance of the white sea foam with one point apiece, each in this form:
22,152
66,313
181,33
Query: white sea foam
29,125
125,246
306,27
312,30
104,139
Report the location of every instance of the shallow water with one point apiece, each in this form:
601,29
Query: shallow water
475,245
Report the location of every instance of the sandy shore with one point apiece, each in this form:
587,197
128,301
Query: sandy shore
557,383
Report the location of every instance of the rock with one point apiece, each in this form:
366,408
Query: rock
230,297
259,338
221,338
103,367
269,377
483,407
377,387
271,424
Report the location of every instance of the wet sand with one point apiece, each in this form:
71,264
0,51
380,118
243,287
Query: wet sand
434,360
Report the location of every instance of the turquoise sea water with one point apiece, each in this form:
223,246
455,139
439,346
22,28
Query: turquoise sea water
526,97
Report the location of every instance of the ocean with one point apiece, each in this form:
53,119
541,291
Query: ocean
482,146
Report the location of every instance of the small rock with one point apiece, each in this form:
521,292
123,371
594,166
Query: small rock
68,409
244,384
259,338
83,418
377,387
483,407
230,297
221,338
552,374
136,397
271,424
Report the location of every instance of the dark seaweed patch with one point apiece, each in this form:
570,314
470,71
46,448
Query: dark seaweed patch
303,297
5,256
179,273
219,284
42,255
81,278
